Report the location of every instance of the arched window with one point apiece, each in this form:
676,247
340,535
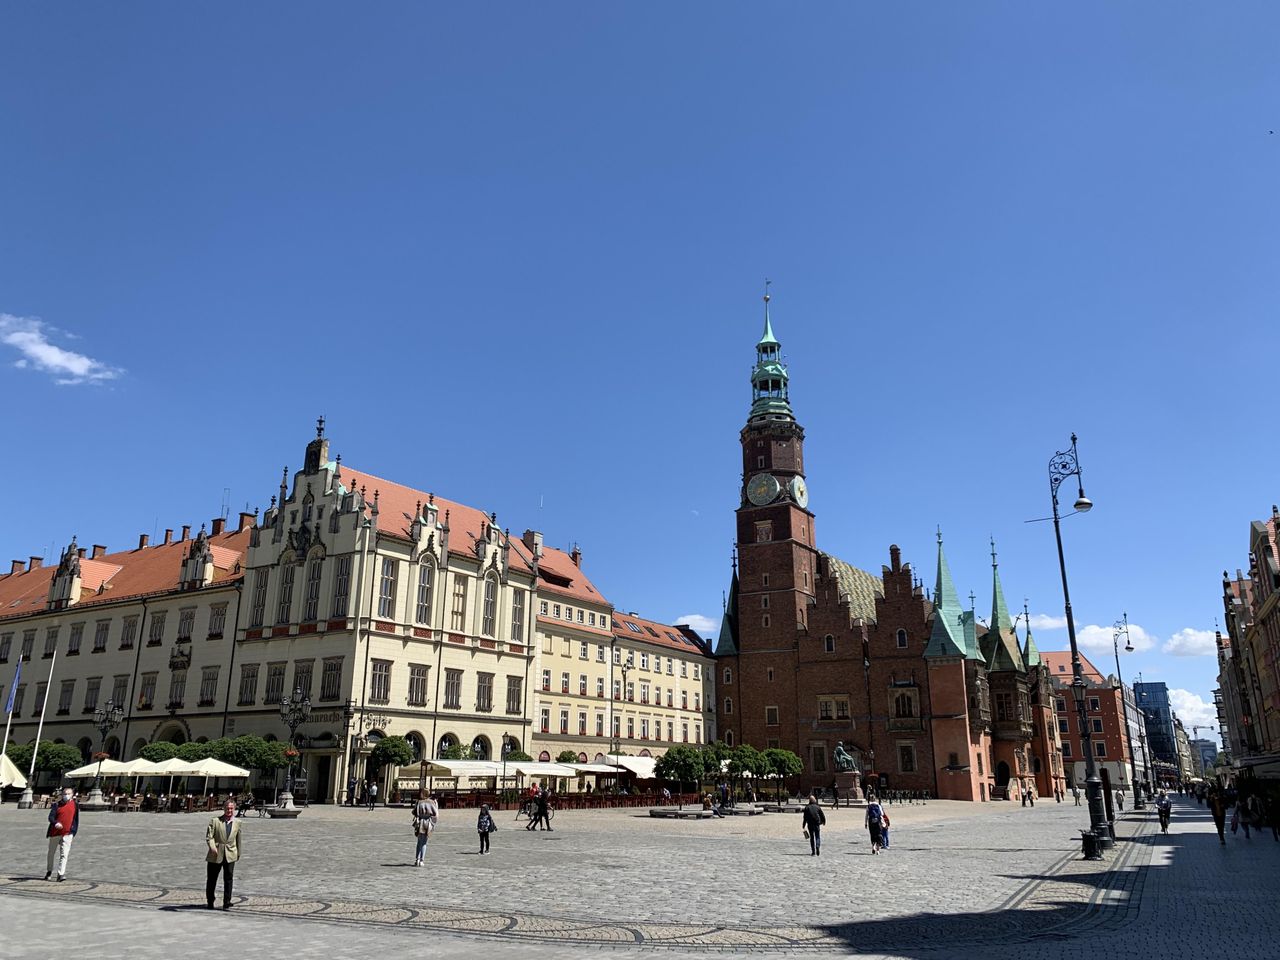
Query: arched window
415,744
728,705
829,643
480,748
728,738
728,675
902,639
544,757
904,706
447,743
488,621
426,580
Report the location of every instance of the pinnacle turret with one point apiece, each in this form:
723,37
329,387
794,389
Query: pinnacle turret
769,388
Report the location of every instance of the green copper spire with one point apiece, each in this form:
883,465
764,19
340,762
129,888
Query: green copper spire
1030,653
948,636
727,642
1005,654
769,378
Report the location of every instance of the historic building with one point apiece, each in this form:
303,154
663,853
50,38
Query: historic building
1104,713
814,652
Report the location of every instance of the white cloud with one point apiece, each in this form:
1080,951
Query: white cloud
1095,637
30,337
1045,621
705,626
1190,642
1192,710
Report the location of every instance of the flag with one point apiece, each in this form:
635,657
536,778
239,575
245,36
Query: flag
8,707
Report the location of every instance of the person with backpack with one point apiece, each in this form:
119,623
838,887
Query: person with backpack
484,827
425,816
814,820
875,823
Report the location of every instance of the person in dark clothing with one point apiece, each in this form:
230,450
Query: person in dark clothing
484,827
543,802
64,821
1218,810
875,823
814,820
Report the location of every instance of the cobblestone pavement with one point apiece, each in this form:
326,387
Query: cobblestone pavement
959,878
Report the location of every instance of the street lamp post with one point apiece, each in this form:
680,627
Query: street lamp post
348,714
616,722
1122,626
506,749
105,718
1064,464
293,713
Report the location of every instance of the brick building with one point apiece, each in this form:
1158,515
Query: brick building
1108,737
815,652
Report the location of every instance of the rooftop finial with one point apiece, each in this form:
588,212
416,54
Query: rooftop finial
994,564
939,534
973,601
767,281
320,426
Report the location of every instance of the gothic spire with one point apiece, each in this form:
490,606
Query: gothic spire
1030,653
769,389
948,636
1002,639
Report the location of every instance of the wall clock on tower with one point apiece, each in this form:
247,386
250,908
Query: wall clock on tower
800,492
763,488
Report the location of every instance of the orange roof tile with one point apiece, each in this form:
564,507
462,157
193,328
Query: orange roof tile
118,576
628,626
1059,663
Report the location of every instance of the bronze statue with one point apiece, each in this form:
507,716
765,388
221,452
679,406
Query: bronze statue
843,759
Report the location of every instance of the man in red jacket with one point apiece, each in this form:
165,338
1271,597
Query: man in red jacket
64,821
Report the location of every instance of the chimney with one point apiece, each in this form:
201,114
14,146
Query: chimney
533,540
220,524
99,550
246,521
576,556
36,563
19,566
143,540
186,531
895,557
168,535
80,552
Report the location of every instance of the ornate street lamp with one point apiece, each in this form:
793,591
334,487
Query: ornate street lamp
1064,464
106,718
1122,626
293,714
506,749
348,714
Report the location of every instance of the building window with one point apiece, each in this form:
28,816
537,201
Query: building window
28,641
488,621
1004,706
542,608
422,609
155,635
387,589
453,689
248,684
1062,725
631,691
684,732
826,709
418,684
302,676
842,708
829,643
631,728
517,616
1096,724
582,723
697,701
564,682
331,679
764,621
582,684
1060,704
1099,748
341,587
67,691
380,687
902,639
599,724
904,705
258,607
670,666
515,695
217,620
147,691
906,758
684,668
458,615
728,706
564,721
484,692
644,729
684,699
580,619
1066,750
208,686
18,694
728,676
275,684
599,686
186,623
6,642
555,610
771,716
818,757
764,579
91,689
50,641
41,689
568,613
584,650
73,642
600,653
544,719
1094,704
644,693
311,607
120,688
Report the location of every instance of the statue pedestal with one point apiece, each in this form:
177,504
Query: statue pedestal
849,785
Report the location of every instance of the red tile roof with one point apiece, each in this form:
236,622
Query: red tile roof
628,626
130,573
1059,663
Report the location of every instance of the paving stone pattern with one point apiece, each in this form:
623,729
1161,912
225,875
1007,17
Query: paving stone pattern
958,877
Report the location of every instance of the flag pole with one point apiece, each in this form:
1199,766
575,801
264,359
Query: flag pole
28,795
8,722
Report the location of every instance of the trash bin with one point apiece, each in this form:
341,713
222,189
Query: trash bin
1090,845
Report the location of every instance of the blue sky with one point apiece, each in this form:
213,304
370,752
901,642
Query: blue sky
514,253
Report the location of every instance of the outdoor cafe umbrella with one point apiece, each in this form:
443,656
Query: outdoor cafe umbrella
216,768
108,768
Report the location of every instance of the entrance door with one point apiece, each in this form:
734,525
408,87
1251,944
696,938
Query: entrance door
323,782
1002,774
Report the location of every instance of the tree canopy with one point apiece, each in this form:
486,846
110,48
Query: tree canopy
680,765
519,755
392,751
565,756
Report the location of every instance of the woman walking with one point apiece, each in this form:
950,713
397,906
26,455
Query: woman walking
425,815
875,823
485,826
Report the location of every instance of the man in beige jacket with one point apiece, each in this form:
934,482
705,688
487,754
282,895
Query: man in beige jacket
223,838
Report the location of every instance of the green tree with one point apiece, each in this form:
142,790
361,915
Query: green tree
681,765
20,755
58,757
565,756
781,764
519,756
159,751
192,750
746,760
391,751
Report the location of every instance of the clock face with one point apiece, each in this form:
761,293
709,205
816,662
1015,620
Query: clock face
763,488
800,492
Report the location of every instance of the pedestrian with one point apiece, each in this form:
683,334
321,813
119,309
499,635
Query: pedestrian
814,819
1164,806
426,813
223,838
1218,810
484,827
875,823
373,794
1023,791
1075,792
884,833
64,821
1271,804
351,791
544,809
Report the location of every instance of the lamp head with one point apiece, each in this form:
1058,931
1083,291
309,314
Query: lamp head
1128,647
1083,504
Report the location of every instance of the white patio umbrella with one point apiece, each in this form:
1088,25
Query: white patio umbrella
217,768
10,775
175,767
109,768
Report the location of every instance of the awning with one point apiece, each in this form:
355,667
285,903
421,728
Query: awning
10,775
209,767
542,768
584,768
110,768
642,767
453,768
